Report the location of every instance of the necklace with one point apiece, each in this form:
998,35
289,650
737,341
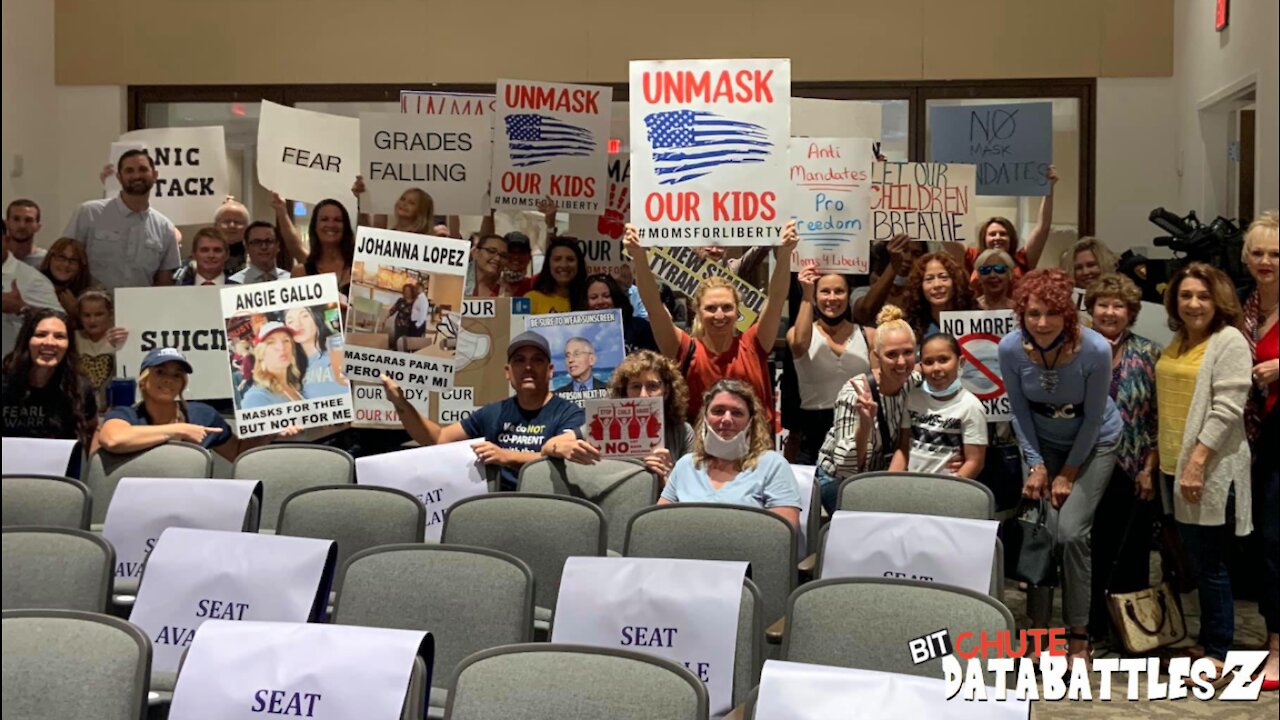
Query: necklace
1048,375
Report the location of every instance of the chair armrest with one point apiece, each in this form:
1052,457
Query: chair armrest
773,634
807,566
737,713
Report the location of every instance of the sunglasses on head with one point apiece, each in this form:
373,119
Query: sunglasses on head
999,269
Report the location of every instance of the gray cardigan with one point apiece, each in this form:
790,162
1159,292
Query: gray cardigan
1216,418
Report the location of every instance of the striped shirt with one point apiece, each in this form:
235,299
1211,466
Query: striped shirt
839,454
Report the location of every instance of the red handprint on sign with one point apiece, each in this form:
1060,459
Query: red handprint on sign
613,222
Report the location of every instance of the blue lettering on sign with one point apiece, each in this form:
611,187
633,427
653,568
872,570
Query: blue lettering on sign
220,609
644,636
283,702
173,635
701,669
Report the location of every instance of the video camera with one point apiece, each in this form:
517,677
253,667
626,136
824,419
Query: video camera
1219,243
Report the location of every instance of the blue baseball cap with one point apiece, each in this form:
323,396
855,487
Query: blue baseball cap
160,356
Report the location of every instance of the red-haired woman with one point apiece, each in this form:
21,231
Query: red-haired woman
937,284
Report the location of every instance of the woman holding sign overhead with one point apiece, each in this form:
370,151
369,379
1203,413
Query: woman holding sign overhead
415,211
1001,234
561,285
331,241
715,349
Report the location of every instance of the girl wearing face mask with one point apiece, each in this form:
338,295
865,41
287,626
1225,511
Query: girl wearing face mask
938,284
829,350
1202,385
97,340
870,409
44,395
731,461
945,421
1087,260
1058,377
603,292
561,285
995,280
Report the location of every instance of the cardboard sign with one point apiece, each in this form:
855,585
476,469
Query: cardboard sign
36,456
374,410
439,476
978,334
813,117
1011,145
924,201
308,156
198,575
398,276
294,328
797,691
682,270
252,670
551,139
184,318
623,428
479,376
682,610
602,236
586,347
709,150
831,201
191,168
142,508
449,104
954,551
447,156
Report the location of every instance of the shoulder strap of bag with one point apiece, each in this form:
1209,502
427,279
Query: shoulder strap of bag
687,362
881,422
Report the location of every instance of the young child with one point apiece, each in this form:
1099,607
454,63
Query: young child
947,422
97,339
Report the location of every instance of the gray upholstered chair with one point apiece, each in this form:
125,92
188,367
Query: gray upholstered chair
748,657
45,500
542,530
469,598
919,493
708,531
285,468
618,487
549,681
866,623
357,517
65,664
172,460
56,569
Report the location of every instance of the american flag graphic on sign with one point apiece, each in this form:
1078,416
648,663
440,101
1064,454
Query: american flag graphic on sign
534,139
688,144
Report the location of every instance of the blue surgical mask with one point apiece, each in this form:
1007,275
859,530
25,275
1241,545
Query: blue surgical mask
951,389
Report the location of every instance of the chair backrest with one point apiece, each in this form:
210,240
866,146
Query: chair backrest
919,493
173,460
748,656
541,530
867,623
997,564
286,468
618,487
66,664
357,517
707,531
56,569
549,681
46,500
469,598
813,519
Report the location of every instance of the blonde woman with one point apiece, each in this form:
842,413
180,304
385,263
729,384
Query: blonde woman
1087,260
994,290
276,377
732,461
415,211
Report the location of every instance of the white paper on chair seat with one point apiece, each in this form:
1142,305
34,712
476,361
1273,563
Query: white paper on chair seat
804,481
198,575
256,670
682,610
439,476
954,551
796,691
142,508
36,456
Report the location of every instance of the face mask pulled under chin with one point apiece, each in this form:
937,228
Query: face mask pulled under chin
734,448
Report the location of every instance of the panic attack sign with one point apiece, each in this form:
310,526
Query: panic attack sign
709,150
979,336
191,165
551,139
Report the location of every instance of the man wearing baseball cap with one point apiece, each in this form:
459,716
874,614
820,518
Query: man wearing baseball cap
513,430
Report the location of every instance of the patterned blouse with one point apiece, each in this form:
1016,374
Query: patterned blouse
1133,387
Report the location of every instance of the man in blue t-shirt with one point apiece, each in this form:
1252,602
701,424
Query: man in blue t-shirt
513,430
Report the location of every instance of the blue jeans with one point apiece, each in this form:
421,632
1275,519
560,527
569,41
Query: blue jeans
1207,548
830,487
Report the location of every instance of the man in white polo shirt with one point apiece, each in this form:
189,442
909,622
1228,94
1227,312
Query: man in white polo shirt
24,287
129,244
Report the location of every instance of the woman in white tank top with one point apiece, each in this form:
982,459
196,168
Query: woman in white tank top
828,349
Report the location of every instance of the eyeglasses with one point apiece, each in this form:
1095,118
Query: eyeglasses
999,269
261,242
577,353
491,251
68,259
652,388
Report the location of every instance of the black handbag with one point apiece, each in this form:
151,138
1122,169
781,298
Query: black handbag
1030,543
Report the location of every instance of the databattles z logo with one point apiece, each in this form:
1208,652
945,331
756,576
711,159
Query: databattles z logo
1032,664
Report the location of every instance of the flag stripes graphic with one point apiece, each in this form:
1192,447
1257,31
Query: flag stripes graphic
688,144
535,139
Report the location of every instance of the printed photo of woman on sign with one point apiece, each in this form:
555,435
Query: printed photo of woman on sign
286,356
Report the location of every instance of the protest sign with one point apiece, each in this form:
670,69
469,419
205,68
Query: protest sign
35,456
831,201
586,347
439,476
813,117
924,201
445,156
551,140
374,410
625,427
191,170
307,156
1011,145
682,269
602,236
295,378
978,334
400,276
186,319
930,548
479,374
709,150
682,610
456,104
249,670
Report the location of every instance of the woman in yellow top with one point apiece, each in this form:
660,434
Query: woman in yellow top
1202,383
561,285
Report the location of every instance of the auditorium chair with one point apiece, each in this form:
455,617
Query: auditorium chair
356,517
620,488
997,564
285,468
171,460
919,493
46,500
56,569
